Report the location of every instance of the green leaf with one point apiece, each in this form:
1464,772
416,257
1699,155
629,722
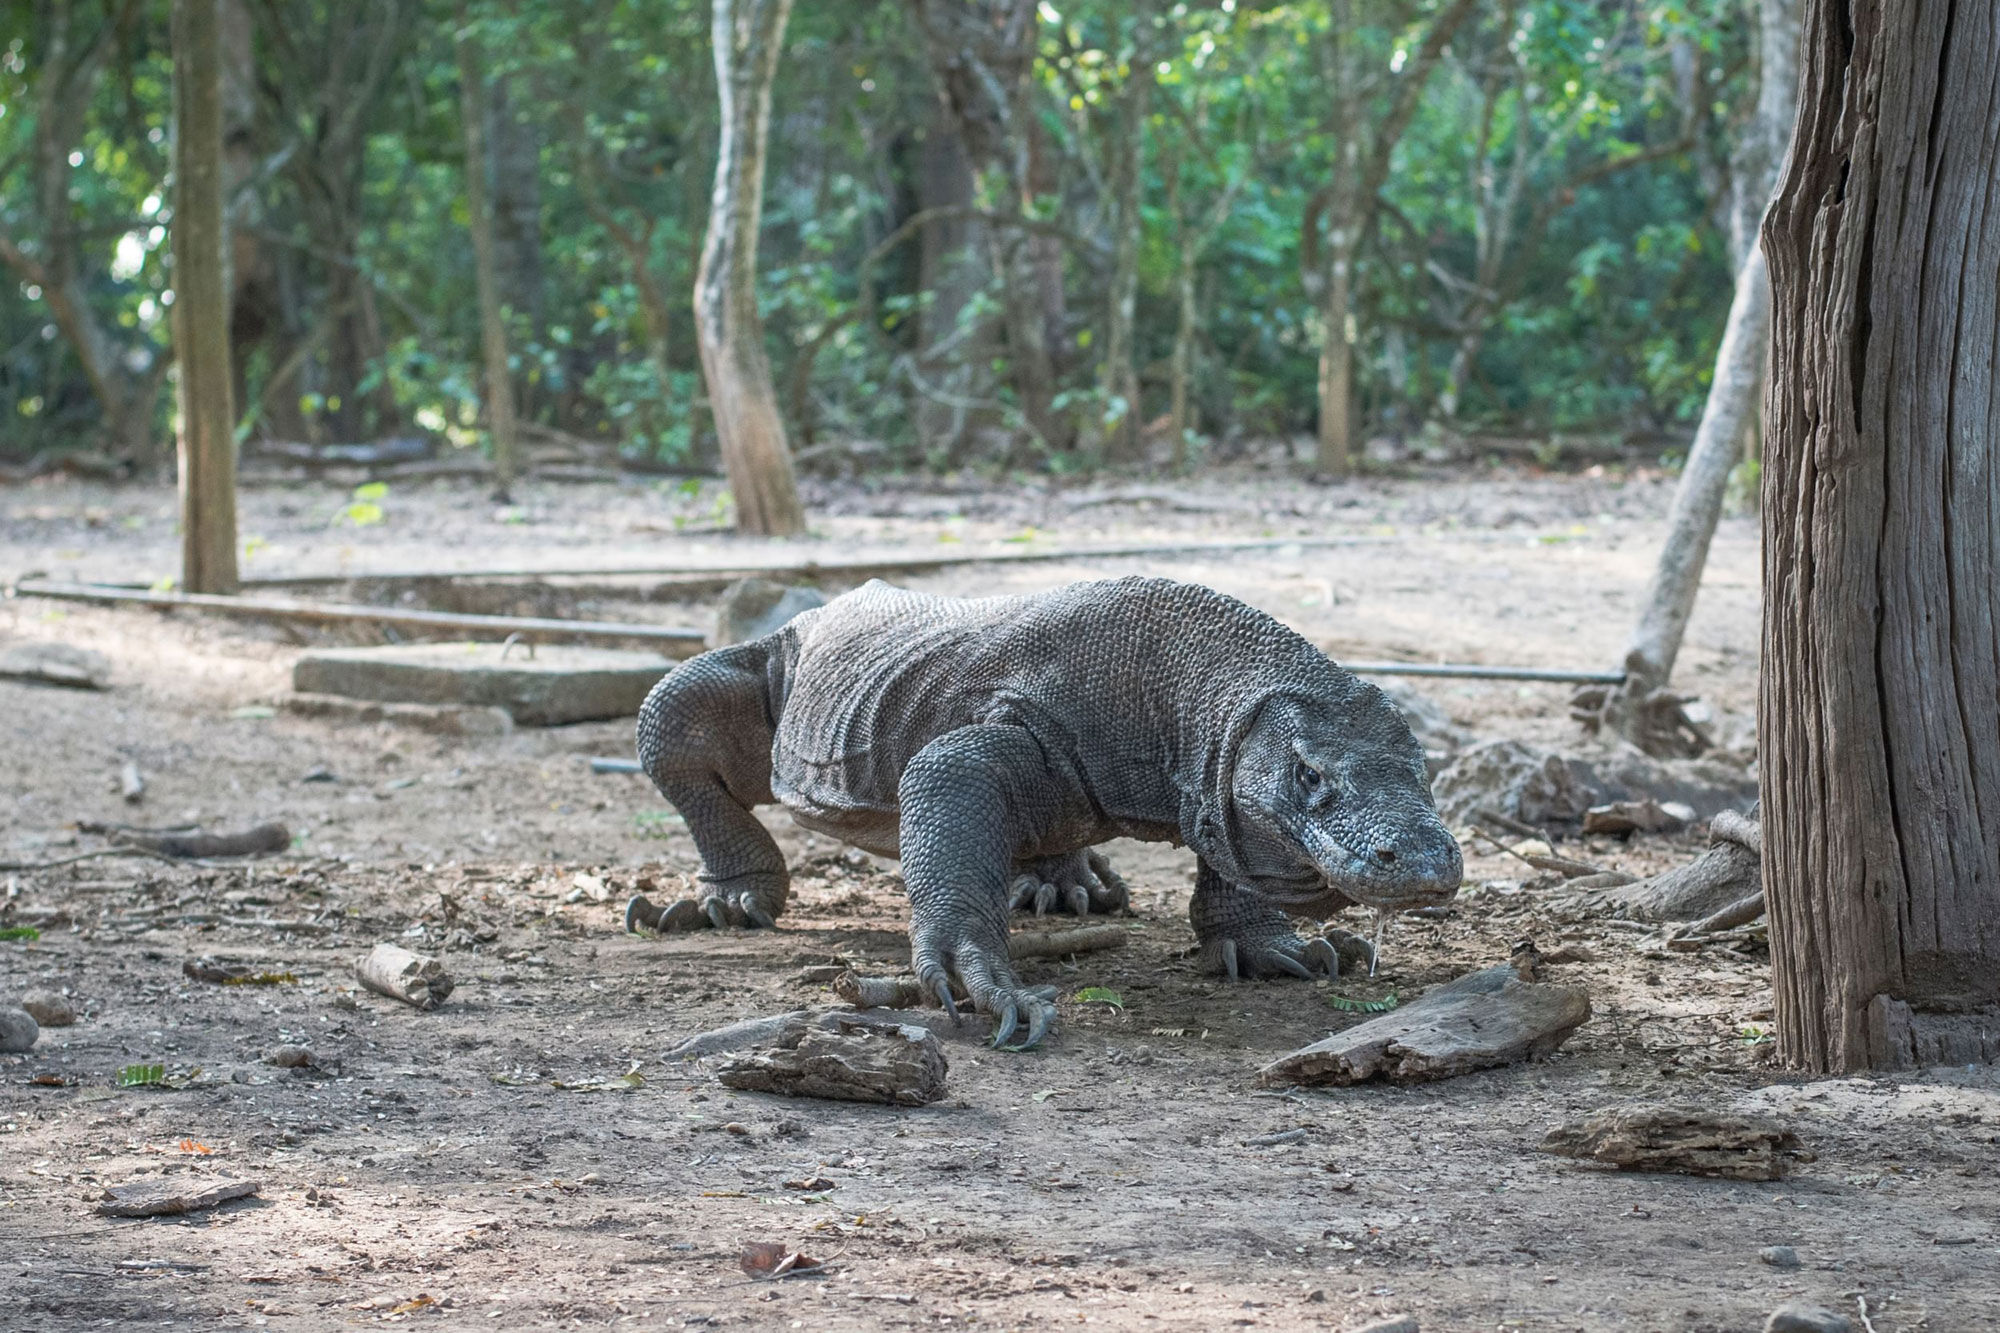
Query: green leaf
1381,1006
1100,995
20,933
142,1076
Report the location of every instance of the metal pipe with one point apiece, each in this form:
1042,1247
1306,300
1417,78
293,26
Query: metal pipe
1471,671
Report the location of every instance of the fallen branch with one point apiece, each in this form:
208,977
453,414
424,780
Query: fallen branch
1063,943
1739,913
274,608
263,840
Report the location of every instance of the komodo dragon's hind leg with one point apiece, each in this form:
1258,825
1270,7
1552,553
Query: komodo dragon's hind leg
705,740
1081,882
1243,934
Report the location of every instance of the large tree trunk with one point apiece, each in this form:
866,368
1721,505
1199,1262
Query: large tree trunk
1119,378
492,317
201,305
1881,668
1640,709
950,269
748,36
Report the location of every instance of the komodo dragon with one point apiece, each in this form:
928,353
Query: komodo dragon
990,743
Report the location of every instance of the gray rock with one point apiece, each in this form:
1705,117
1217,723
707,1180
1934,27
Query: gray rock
1515,780
1402,1323
18,1031
56,664
289,1057
554,685
1805,1317
752,608
1779,1256
49,1009
1706,786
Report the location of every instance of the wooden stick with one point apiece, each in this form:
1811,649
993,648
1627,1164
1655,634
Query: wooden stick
277,608
1739,913
1062,943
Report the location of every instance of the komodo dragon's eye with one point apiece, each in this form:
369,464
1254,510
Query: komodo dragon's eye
1307,776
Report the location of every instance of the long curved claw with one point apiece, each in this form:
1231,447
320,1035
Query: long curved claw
1229,960
1038,1026
1322,953
683,915
1046,993
1077,899
718,916
937,982
1008,1022
759,917
1290,964
1045,898
641,913
1021,892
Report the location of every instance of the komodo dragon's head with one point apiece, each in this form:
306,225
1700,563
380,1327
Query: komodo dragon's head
1334,794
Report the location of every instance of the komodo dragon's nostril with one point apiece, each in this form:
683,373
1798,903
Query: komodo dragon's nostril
1386,855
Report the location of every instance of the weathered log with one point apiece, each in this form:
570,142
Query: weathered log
860,1061
1684,1140
262,840
1485,1018
1727,873
1063,943
415,979
170,1198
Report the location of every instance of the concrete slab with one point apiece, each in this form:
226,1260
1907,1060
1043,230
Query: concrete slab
557,684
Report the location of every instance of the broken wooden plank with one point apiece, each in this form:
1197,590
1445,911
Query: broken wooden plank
859,1061
1678,1139
1485,1018
555,686
284,608
171,1198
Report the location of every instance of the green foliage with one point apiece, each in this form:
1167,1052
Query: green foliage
25,933
358,316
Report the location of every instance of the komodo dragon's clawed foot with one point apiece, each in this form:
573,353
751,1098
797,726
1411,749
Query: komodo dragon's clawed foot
1285,952
749,901
940,954
1079,883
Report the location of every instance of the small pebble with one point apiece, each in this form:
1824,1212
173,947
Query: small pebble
49,1009
18,1031
289,1057
1779,1256
736,1127
1805,1317
1402,1323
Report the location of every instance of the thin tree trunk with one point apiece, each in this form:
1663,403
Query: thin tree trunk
748,36
201,305
1880,754
1640,710
1183,359
1335,457
492,318
950,270
1732,402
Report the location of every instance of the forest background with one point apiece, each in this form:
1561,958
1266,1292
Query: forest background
1006,235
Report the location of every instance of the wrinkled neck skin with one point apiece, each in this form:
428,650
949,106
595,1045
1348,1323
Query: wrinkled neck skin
1317,794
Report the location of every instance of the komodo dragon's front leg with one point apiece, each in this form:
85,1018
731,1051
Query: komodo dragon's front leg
969,800
705,740
1242,934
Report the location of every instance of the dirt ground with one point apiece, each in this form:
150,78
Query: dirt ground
433,1169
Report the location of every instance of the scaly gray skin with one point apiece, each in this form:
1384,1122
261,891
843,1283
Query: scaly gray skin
990,743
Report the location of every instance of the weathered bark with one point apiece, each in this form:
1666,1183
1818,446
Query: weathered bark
1351,202
981,57
514,153
201,305
1118,378
492,316
748,36
950,269
1881,645
1640,709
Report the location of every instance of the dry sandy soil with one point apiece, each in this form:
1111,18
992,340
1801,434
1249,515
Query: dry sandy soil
431,1168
